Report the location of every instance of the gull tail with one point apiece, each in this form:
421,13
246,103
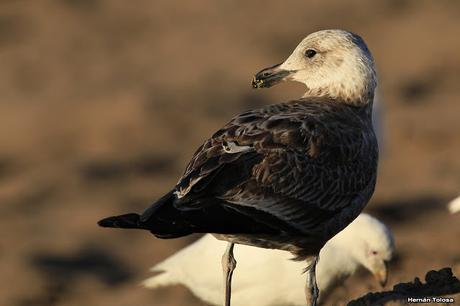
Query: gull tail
122,221
162,219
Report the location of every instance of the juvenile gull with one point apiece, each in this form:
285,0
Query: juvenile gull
287,176
366,242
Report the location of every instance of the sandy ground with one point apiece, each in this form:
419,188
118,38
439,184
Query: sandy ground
103,102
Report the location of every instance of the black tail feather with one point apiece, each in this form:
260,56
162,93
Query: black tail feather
162,219
167,199
165,220
122,221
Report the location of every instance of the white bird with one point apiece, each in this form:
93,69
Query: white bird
366,242
454,205
287,176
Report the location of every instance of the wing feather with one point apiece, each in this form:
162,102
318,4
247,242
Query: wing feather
301,162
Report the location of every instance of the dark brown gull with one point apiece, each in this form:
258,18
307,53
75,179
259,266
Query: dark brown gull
287,176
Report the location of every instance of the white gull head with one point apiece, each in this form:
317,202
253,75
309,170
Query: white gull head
333,63
367,242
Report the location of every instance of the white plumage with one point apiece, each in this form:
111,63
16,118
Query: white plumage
454,205
365,242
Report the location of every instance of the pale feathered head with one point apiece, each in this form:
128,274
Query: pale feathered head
370,243
333,63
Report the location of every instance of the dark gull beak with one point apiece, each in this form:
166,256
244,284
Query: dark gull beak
270,76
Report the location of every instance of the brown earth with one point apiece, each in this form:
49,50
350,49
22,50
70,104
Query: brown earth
103,102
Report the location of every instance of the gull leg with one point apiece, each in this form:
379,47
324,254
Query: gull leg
228,265
311,290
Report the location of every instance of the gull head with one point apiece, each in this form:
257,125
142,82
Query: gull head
334,63
370,244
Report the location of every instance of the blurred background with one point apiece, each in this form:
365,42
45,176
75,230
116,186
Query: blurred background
104,102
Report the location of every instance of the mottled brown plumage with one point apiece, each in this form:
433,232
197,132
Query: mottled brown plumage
307,162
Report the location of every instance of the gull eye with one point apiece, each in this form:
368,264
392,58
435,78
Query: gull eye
310,53
374,252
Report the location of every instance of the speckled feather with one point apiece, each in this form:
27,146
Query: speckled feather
307,161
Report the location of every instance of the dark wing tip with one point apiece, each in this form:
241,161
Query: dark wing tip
106,222
122,221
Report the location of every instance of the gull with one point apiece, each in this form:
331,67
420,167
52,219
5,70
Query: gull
454,205
366,242
286,176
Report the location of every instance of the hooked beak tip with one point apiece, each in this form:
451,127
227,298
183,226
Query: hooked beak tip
257,83
382,275
269,76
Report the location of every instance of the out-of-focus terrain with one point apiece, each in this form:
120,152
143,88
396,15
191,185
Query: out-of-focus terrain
103,103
